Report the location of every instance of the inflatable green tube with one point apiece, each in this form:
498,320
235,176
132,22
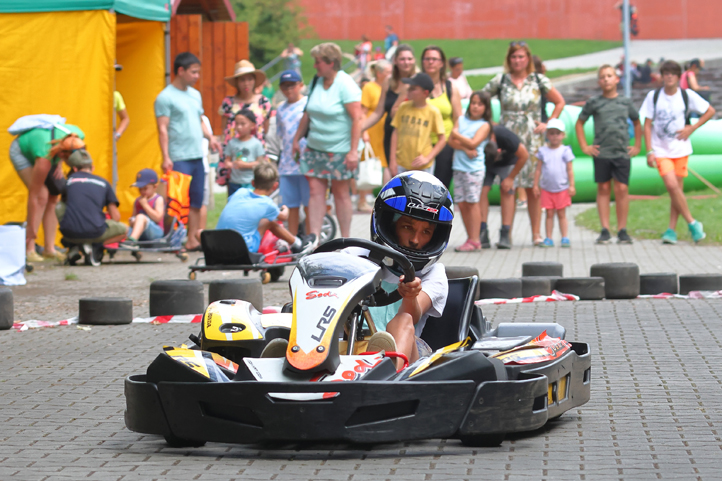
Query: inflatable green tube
706,160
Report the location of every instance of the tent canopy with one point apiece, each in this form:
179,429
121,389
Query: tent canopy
155,10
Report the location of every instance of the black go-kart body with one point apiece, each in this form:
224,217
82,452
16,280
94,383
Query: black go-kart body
220,390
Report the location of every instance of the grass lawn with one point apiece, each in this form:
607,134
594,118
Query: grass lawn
220,203
477,82
477,53
648,219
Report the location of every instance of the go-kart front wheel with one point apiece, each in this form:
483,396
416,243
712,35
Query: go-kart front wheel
176,442
483,440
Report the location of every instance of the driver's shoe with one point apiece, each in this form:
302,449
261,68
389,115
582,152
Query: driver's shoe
381,341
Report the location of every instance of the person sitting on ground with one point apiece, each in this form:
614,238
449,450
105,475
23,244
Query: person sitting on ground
688,80
419,228
82,220
252,212
243,152
557,180
146,223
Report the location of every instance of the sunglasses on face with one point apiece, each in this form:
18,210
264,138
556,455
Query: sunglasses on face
520,43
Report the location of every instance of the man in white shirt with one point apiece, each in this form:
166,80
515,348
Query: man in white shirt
666,135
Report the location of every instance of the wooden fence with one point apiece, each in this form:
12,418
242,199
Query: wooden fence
219,45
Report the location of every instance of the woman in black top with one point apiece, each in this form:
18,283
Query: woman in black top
393,93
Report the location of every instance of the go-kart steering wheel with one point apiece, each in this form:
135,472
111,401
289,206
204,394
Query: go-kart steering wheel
377,253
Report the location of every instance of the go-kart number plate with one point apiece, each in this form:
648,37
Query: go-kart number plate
352,368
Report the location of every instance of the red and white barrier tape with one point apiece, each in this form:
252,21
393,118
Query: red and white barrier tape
556,296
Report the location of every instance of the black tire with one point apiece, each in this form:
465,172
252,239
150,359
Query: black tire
537,286
176,297
29,268
329,228
545,269
249,290
483,440
105,311
700,282
499,288
621,279
7,311
651,284
276,273
176,442
587,288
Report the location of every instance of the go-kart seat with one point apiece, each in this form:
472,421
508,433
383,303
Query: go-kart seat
226,247
453,325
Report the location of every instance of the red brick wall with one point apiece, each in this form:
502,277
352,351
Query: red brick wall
583,19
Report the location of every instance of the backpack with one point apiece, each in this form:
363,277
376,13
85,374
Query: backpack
542,101
685,98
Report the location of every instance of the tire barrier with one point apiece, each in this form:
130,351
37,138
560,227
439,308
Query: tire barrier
499,288
699,282
105,311
250,290
537,286
546,269
7,312
173,297
621,279
652,284
460,272
587,288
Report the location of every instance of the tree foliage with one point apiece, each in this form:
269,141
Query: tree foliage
271,25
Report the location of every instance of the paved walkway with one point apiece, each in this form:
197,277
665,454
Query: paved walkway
640,50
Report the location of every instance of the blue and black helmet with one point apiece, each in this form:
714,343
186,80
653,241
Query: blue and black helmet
421,196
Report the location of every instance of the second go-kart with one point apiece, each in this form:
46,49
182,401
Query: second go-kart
481,386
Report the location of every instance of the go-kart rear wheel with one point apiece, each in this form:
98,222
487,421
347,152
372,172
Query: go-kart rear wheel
276,273
265,277
176,442
483,440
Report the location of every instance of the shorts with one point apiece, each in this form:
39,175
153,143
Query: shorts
467,186
194,168
501,171
112,229
151,232
555,200
20,162
605,169
678,166
294,191
423,348
325,165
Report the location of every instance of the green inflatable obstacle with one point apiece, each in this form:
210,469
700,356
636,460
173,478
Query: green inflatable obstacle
706,160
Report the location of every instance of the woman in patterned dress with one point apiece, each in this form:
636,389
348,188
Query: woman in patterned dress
520,90
245,79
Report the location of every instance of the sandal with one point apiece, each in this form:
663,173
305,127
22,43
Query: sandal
538,241
469,246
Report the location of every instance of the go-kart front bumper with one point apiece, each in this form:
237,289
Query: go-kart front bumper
362,411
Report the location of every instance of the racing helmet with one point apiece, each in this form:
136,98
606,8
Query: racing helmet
421,196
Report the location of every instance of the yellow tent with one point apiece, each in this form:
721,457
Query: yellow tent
59,59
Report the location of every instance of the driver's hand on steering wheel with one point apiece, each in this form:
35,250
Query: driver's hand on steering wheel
409,290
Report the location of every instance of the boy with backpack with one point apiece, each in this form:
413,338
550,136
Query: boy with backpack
666,134
611,150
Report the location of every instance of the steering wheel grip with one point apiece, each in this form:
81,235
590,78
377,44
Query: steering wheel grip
376,251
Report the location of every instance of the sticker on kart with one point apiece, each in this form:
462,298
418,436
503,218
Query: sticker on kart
352,368
540,349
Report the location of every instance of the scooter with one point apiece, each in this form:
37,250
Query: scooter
325,387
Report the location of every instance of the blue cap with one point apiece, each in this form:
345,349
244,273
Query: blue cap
145,177
290,76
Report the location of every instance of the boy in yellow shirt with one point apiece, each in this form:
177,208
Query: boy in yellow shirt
413,124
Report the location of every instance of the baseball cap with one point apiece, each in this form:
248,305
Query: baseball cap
420,80
556,124
290,76
145,177
79,158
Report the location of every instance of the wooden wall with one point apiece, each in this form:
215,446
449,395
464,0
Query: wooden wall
219,45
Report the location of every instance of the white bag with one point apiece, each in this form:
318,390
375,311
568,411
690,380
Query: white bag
370,171
37,121
12,255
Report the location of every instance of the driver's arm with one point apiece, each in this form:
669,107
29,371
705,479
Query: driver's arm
415,301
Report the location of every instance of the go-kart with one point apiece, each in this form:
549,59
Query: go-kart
477,386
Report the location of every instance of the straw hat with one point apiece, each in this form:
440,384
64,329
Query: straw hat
245,67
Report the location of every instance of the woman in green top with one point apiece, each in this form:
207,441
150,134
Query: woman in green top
446,98
521,92
36,155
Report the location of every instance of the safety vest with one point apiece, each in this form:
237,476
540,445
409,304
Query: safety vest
179,201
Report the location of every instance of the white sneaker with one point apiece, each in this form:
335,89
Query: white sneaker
381,341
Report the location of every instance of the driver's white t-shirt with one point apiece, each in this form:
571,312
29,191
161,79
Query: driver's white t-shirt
669,120
434,283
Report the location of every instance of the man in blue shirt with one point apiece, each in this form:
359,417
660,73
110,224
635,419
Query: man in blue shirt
178,111
391,41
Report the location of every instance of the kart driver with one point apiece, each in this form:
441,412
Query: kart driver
412,215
